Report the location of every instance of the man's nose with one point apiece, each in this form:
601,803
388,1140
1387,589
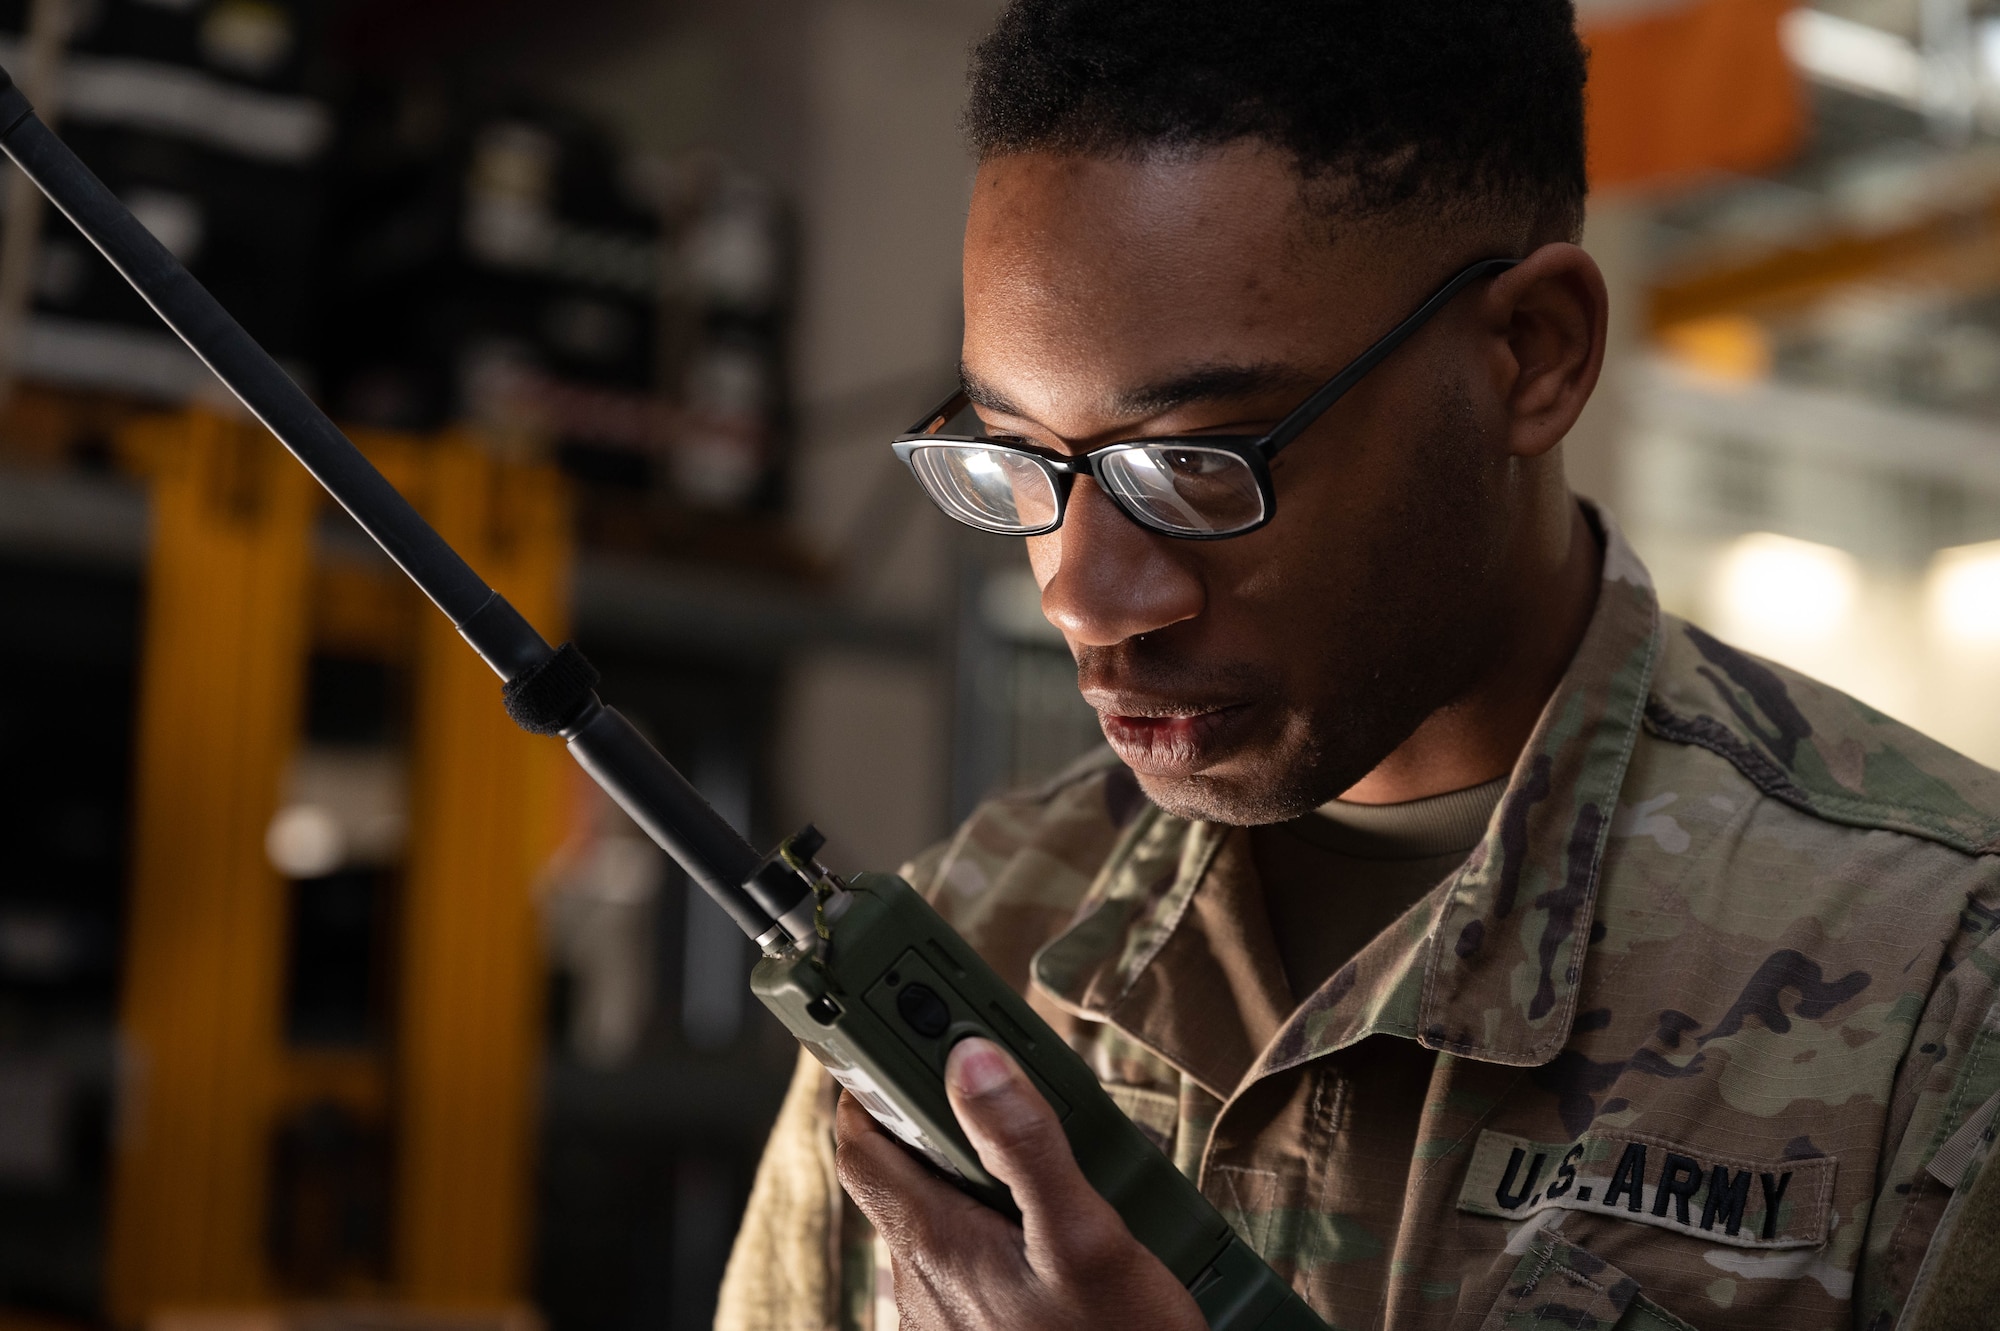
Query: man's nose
1113,579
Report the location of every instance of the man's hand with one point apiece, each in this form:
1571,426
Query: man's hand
959,1266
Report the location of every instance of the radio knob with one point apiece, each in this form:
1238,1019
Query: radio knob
923,1011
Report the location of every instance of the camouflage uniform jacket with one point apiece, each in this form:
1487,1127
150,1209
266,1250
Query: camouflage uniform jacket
1676,1046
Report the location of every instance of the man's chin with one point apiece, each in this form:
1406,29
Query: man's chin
1249,766
1246,800
1241,766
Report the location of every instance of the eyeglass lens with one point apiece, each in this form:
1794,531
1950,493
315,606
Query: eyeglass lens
1184,488
992,488
1178,487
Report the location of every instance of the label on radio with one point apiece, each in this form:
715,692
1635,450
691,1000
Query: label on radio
875,1098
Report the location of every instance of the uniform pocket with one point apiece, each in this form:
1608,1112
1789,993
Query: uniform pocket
1559,1286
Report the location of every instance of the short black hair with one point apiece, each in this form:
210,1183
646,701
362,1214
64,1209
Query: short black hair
1464,109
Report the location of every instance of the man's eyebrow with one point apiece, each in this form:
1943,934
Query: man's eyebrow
1204,383
982,394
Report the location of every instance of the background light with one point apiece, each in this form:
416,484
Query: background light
1964,593
1728,347
305,841
1857,57
1771,585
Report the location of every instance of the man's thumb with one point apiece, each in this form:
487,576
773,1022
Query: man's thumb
1010,1124
1067,1227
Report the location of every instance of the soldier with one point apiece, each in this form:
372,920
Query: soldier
1493,949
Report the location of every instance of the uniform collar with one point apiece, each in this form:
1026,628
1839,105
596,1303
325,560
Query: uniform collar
1172,948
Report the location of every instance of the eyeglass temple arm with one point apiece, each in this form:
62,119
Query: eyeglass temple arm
1315,406
935,418
1311,409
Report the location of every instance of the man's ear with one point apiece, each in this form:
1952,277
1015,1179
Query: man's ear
1550,311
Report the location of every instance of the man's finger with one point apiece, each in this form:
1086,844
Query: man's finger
903,1199
1021,1143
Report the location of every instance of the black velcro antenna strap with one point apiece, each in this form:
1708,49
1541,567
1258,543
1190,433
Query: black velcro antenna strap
14,106
547,698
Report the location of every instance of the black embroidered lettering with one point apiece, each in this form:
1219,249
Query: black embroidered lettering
1774,1192
1566,1175
1726,1200
1513,1165
1630,1179
1680,1179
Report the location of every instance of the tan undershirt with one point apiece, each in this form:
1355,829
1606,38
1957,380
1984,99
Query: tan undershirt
1338,876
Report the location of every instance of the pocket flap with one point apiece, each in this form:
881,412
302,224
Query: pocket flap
1558,1284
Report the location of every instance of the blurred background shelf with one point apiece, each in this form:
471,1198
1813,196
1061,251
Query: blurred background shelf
623,602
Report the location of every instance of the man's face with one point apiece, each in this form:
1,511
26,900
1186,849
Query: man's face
1245,680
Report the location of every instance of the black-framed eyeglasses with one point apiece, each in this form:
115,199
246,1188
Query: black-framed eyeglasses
1198,487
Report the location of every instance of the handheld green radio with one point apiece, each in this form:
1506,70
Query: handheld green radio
864,973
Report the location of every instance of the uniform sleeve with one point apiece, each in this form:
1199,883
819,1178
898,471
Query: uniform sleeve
1958,1287
784,1270
804,1258
1951,1070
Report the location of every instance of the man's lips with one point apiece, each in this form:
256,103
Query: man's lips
1170,740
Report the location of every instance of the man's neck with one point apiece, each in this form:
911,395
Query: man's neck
1478,736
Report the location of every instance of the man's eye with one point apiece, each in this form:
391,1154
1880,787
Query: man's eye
1193,462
